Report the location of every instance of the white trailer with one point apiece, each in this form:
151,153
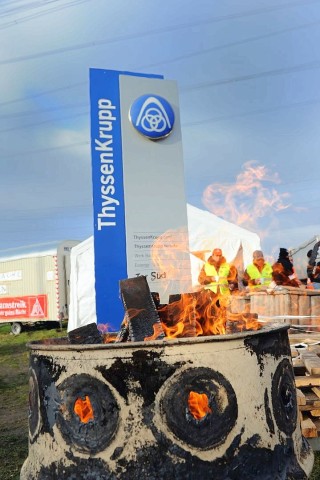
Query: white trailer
299,255
34,284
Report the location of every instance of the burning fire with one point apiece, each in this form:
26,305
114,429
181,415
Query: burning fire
193,315
238,322
203,312
248,199
83,409
198,404
198,313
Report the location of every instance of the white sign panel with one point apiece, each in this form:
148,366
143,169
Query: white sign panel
140,217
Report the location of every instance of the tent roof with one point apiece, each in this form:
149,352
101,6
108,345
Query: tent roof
308,243
208,219
207,231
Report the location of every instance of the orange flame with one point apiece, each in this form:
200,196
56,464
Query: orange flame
83,409
248,199
157,330
238,322
109,337
195,314
198,404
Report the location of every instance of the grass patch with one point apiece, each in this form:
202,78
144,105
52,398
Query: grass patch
316,467
14,388
13,451
14,393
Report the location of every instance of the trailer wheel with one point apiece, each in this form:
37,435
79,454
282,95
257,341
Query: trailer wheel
16,328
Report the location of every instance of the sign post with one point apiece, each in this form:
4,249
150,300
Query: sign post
140,216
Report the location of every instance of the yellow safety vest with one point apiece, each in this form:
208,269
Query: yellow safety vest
265,275
221,277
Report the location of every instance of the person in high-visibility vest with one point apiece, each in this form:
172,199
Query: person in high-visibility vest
258,273
218,279
217,275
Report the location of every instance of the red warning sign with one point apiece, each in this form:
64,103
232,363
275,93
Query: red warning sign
32,306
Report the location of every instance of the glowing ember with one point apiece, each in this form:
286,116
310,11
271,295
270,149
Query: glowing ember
198,404
83,409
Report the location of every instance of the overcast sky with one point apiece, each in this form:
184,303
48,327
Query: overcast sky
248,74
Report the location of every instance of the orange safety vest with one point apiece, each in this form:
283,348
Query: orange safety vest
221,277
265,275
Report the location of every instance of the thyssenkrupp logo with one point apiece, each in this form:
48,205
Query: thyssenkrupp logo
152,116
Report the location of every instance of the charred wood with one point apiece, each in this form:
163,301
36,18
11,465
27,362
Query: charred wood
86,334
141,312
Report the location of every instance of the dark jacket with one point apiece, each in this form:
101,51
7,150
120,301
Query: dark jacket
283,270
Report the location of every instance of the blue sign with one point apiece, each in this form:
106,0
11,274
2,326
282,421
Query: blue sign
152,116
108,194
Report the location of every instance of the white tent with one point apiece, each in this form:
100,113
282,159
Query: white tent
206,232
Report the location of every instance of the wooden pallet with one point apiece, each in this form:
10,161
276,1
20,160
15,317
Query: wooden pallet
306,365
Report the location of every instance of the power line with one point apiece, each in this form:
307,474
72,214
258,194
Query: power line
44,150
190,124
233,44
275,72
156,31
43,122
228,45
40,94
268,73
173,60
38,14
296,68
8,116
252,112
5,11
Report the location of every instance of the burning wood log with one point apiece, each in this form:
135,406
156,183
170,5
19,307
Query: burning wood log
123,334
242,322
141,312
86,334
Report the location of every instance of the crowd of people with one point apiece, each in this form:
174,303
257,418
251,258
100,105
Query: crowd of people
219,276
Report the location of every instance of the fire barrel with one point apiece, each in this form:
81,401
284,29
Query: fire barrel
220,407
